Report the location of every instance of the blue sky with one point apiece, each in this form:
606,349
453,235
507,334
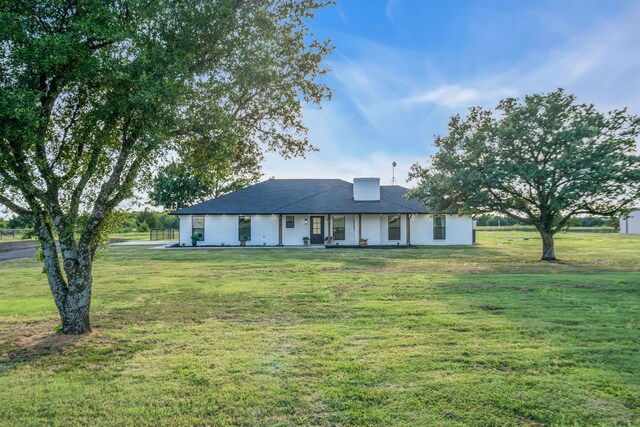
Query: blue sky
401,68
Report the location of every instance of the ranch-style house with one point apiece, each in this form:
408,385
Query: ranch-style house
294,212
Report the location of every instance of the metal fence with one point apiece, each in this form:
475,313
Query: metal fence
12,233
163,234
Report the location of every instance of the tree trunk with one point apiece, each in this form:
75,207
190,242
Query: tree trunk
73,295
75,313
548,251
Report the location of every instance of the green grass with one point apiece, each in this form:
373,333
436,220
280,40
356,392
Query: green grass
133,235
12,237
531,228
483,335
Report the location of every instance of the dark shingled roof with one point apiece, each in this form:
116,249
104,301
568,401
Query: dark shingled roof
303,196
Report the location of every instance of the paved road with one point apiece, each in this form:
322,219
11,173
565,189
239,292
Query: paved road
24,249
20,249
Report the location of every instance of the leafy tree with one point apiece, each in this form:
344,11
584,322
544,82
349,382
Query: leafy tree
128,225
614,222
20,221
150,219
94,93
176,186
541,161
169,221
180,184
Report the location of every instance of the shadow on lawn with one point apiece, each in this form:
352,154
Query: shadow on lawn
31,341
503,258
357,257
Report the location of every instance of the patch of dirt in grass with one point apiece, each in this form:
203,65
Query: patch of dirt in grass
491,308
31,340
340,289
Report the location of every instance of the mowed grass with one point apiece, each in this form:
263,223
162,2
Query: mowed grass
483,335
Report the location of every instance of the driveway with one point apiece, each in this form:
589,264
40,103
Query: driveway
19,249
24,249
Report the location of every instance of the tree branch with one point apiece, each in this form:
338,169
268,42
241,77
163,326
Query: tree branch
13,206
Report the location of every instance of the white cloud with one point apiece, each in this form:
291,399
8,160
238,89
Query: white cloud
344,152
326,164
599,66
390,102
388,11
454,96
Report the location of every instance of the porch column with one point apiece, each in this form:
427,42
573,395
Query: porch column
329,226
280,230
408,230
359,228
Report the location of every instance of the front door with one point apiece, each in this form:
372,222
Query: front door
317,230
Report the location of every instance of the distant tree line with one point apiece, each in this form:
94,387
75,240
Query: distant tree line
583,221
145,220
19,221
140,221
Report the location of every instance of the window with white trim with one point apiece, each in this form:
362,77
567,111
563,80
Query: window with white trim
290,220
338,228
197,227
439,227
244,228
394,227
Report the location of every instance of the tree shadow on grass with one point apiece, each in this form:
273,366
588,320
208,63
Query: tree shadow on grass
33,340
37,341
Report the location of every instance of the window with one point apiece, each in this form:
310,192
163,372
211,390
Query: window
316,225
338,227
244,228
394,227
197,227
439,227
290,221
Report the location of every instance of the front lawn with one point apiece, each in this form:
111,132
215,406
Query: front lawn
483,335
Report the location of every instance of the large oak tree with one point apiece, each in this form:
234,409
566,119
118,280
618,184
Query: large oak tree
93,93
542,161
192,180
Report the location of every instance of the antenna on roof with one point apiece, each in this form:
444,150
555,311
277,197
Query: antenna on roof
393,174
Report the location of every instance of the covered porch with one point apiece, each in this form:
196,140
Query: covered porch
345,229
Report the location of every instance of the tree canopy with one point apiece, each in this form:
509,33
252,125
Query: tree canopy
541,160
181,184
94,93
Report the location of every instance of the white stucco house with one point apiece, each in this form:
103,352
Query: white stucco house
631,224
286,212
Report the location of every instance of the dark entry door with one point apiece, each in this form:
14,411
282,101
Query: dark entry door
317,230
